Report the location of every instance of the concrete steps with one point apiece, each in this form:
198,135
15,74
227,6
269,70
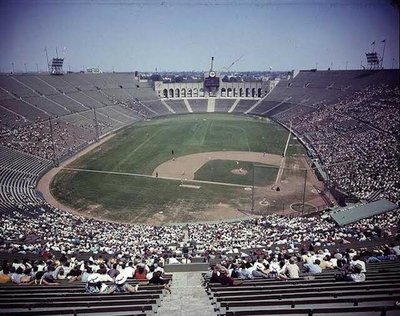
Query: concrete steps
188,297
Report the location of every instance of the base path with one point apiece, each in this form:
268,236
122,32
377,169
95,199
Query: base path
186,166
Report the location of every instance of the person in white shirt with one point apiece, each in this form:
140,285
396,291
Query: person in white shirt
103,276
357,260
173,260
129,270
186,260
292,269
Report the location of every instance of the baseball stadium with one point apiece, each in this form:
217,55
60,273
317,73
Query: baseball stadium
204,192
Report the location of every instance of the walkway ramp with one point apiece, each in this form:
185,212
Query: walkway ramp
211,105
189,108
167,106
234,105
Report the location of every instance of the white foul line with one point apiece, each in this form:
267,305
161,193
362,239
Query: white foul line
282,166
153,177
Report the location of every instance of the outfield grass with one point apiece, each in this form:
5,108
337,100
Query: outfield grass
134,199
142,147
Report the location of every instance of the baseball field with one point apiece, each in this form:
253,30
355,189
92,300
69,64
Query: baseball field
194,167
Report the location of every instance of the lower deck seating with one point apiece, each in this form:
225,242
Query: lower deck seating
71,299
315,295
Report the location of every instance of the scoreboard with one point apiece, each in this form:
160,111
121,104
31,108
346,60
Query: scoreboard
211,82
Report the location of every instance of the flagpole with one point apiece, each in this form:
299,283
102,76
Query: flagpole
383,53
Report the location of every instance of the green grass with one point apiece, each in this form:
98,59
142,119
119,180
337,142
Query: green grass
142,147
134,199
295,147
220,171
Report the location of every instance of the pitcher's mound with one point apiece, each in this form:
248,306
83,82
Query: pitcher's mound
239,172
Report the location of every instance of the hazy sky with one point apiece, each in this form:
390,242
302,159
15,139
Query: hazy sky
184,34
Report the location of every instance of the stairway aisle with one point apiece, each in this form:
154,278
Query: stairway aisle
186,234
188,297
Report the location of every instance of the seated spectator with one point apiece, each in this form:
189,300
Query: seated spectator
121,286
243,272
59,273
16,274
395,249
313,268
220,275
103,276
140,272
5,276
113,272
157,279
94,285
357,260
173,260
271,273
326,263
292,269
186,259
85,274
357,275
128,270
48,277
74,274
28,277
19,277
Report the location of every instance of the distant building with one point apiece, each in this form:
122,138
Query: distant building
93,71
213,86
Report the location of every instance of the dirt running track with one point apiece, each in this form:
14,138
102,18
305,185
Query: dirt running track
43,185
186,166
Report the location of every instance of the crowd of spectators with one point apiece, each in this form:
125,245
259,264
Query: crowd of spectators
105,255
356,140
38,139
347,264
54,230
272,247
99,274
291,233
51,229
132,104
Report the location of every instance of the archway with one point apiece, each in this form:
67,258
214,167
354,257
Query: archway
171,93
177,93
165,93
195,92
223,92
183,93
